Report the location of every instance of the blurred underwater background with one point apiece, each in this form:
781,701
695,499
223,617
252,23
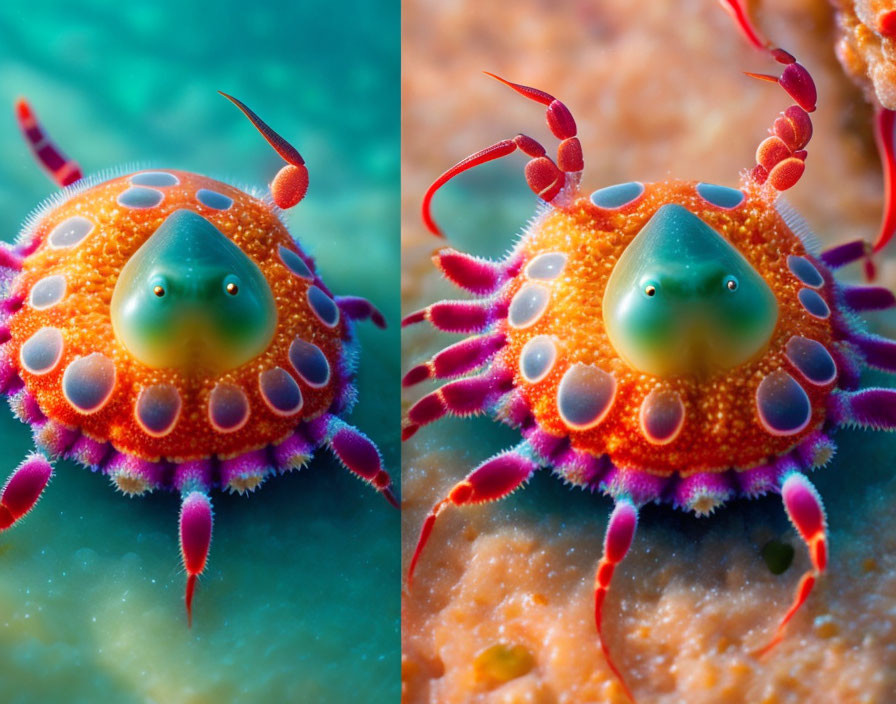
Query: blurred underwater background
300,600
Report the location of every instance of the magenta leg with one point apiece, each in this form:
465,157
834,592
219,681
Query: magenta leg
474,274
195,538
456,316
618,539
357,308
877,352
869,408
23,489
360,456
846,253
464,397
863,298
457,359
805,511
490,481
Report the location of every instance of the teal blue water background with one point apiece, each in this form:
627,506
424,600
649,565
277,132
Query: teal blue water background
300,601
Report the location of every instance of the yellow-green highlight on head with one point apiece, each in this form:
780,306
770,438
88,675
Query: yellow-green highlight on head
683,301
190,299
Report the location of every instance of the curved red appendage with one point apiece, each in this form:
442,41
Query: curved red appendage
490,481
457,359
62,170
195,538
361,457
618,539
805,510
291,182
737,11
358,308
885,136
23,489
454,316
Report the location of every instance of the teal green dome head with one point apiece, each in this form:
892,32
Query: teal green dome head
190,299
683,301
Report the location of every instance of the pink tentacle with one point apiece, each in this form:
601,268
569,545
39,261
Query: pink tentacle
195,539
360,456
357,308
62,170
23,488
458,316
457,359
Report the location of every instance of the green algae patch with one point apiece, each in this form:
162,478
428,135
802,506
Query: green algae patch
502,662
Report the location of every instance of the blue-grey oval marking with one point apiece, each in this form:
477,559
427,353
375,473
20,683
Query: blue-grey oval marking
812,359
783,405
47,292
813,303
158,408
324,307
154,178
213,199
139,197
613,197
310,362
88,382
70,232
528,305
537,358
804,270
280,391
546,267
42,351
720,196
228,408
295,263
585,396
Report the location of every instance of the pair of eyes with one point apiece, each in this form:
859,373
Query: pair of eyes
729,282
230,284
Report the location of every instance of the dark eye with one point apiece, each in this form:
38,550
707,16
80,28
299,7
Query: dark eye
231,285
650,288
731,283
159,286
158,290
232,288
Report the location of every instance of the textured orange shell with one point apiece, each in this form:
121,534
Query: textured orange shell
721,428
83,316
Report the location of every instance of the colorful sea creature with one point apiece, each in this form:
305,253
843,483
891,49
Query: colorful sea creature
165,329
676,342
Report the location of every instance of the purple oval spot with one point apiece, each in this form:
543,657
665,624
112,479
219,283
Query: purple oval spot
537,358
88,382
812,359
662,416
280,391
139,197
294,263
804,270
783,405
158,408
213,199
42,351
154,178
528,305
546,267
813,303
585,396
228,408
324,307
47,292
70,232
720,196
614,197
310,362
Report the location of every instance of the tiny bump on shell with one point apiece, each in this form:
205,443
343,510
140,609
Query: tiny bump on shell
814,304
812,359
618,196
70,232
88,382
804,270
323,306
585,396
310,363
662,416
40,353
783,405
47,292
720,196
294,263
537,358
228,408
546,267
154,178
213,199
280,391
139,197
528,305
157,409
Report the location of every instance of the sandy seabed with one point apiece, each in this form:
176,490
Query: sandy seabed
501,610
